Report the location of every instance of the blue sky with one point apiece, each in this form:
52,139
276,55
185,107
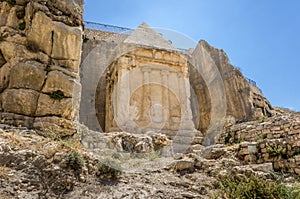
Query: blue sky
262,37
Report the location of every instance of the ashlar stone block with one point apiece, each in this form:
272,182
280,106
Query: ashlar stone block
55,107
30,76
57,80
20,101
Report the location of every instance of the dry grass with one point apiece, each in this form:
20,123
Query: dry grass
12,138
4,171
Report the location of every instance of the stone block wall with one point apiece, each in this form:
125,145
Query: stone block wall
275,139
40,52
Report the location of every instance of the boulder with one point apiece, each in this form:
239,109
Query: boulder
16,53
184,164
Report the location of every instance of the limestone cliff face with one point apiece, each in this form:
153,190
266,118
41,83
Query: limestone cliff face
40,51
244,101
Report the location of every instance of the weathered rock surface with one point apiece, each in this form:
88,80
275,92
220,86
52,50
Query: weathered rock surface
215,80
32,166
40,52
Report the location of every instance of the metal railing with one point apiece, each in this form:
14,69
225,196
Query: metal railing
116,29
107,28
252,82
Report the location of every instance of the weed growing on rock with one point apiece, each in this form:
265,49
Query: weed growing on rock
57,95
22,26
109,168
75,160
296,153
85,38
261,137
262,119
228,137
275,150
4,171
1,38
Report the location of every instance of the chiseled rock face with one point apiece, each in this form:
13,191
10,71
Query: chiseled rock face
241,96
244,101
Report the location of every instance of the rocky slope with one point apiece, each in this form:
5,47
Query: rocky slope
33,166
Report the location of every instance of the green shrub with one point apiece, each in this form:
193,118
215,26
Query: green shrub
57,95
109,168
296,153
22,26
275,150
1,38
262,119
228,137
85,38
238,186
75,161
